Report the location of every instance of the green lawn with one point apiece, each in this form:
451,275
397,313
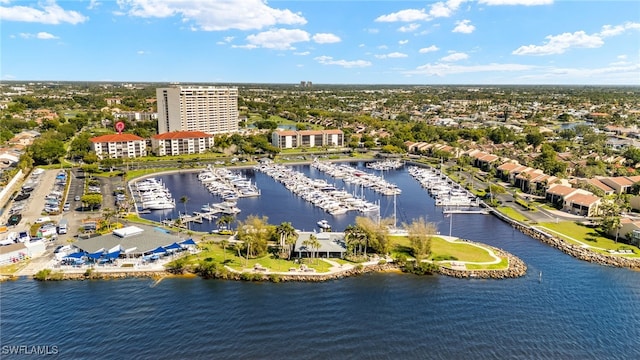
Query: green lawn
511,213
503,264
442,249
571,231
216,254
460,250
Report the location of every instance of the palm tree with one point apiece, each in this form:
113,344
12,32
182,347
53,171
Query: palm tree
184,199
108,214
225,221
224,244
285,230
315,244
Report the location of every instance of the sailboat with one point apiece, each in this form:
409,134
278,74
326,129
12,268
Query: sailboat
395,230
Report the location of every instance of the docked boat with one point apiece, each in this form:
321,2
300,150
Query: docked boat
324,224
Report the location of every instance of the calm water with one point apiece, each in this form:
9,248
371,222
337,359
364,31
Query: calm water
577,311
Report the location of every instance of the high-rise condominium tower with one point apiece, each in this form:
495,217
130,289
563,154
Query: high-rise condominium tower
210,109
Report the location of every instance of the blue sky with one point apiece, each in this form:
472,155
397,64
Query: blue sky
326,42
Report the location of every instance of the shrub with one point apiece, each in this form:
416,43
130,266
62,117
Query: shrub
42,275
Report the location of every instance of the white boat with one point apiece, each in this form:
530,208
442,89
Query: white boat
324,224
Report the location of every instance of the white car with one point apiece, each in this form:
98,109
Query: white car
41,220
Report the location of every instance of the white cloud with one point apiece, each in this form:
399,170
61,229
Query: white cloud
622,57
41,35
46,36
328,60
402,42
93,4
215,15
619,63
226,40
49,13
142,52
516,2
409,28
382,47
455,56
393,55
437,10
428,49
304,53
464,26
372,31
608,30
439,69
407,15
279,39
325,38
558,44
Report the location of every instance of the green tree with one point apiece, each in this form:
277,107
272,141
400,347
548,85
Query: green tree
420,234
254,232
92,201
286,233
46,151
313,244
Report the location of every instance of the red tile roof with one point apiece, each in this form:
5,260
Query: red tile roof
181,135
115,138
560,190
508,166
286,133
583,199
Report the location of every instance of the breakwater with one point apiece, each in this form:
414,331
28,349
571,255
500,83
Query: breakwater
574,250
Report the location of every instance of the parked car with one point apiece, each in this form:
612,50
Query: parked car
14,219
22,196
77,198
66,207
43,219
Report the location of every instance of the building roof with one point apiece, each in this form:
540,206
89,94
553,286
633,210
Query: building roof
561,190
286,133
329,242
600,185
116,138
140,243
333,131
508,166
489,158
620,180
181,135
583,199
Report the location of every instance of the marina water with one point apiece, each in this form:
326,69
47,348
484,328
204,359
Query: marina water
574,310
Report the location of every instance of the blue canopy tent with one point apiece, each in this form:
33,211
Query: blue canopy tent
96,255
77,255
174,246
159,250
188,242
112,255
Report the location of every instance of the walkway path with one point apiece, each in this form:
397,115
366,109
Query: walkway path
583,244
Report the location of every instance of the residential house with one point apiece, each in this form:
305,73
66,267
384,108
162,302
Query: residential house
620,184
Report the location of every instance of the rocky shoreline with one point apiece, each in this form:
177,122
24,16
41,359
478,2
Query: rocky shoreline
576,251
516,268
